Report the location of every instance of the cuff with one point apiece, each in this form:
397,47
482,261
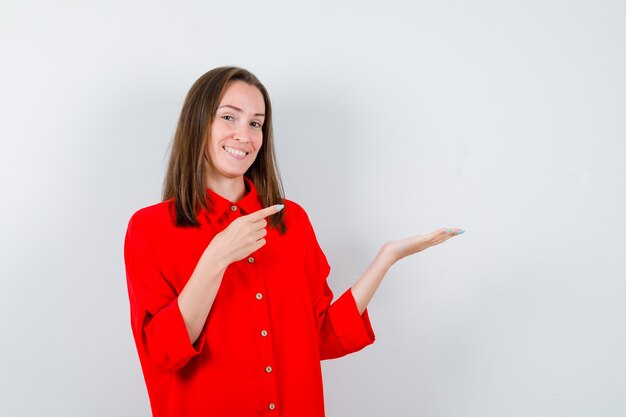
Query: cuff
353,330
171,339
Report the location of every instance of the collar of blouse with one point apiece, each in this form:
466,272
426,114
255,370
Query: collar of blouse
223,208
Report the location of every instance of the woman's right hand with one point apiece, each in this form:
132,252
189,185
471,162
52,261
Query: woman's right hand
239,239
243,235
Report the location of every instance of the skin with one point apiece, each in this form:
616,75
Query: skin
241,128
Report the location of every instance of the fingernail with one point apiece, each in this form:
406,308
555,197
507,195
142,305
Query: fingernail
279,207
459,232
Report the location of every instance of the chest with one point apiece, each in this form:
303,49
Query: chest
278,266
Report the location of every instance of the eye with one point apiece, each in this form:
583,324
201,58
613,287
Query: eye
256,124
227,115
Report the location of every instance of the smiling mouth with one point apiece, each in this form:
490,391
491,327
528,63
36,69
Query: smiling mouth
235,152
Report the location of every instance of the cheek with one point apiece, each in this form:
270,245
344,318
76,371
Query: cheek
258,141
217,134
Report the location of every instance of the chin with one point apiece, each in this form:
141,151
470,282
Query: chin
231,173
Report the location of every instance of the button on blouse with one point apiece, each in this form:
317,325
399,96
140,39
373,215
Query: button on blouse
273,307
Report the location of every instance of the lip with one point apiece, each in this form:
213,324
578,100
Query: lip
237,148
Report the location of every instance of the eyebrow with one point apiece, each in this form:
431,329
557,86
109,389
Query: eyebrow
239,110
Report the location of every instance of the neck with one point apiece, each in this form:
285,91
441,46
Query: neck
232,189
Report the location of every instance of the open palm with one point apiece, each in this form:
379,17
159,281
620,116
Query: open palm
410,245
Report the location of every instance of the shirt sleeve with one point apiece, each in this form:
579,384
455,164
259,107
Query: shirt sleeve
341,329
157,323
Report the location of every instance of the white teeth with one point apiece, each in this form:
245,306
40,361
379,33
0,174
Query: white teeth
234,151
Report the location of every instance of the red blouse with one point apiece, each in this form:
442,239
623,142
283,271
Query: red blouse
271,323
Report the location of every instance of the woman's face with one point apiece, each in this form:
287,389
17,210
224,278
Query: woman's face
236,131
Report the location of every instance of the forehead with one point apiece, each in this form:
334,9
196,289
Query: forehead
245,96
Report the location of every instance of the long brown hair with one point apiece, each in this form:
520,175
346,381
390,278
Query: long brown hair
185,181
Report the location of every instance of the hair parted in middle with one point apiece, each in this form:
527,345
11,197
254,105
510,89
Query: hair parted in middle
185,178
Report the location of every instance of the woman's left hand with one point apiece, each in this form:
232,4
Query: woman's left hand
399,249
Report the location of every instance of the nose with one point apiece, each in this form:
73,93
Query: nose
241,135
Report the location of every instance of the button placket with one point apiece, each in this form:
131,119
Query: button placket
264,330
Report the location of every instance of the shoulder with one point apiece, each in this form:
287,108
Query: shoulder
302,229
296,216
292,207
153,217
294,212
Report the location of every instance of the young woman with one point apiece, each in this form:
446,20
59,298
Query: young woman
230,309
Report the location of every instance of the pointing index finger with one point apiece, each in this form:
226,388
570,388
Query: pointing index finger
264,212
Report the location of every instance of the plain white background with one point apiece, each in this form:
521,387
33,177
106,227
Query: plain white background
391,119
